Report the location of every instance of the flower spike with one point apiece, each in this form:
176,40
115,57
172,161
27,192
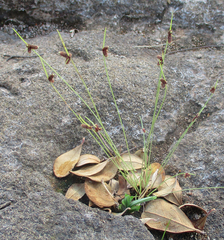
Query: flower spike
51,78
30,47
105,51
65,55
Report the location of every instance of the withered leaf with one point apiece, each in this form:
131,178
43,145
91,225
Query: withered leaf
154,166
120,194
153,176
66,162
130,162
87,159
167,214
170,190
108,172
114,184
198,223
87,171
140,153
134,177
75,191
97,193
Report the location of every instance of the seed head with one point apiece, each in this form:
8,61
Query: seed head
86,126
97,128
196,116
143,129
212,90
105,51
65,55
163,82
160,60
186,175
51,78
169,36
30,47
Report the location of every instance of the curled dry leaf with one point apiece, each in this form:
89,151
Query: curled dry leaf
130,162
198,223
120,194
97,193
87,171
167,214
134,177
153,176
108,172
153,168
140,153
170,190
66,162
76,191
87,159
145,220
114,184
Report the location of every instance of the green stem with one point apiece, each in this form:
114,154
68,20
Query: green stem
142,200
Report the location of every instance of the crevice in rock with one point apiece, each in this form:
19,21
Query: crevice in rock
16,17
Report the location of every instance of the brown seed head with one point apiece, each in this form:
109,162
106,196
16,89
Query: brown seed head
186,175
197,115
160,60
169,36
97,128
143,129
51,78
163,82
212,90
105,51
86,126
30,47
65,55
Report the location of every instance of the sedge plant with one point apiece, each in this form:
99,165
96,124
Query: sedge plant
99,133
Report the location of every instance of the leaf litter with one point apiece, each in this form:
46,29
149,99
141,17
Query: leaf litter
105,188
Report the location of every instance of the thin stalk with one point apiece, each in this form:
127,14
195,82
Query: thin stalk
89,94
115,102
150,136
185,132
165,229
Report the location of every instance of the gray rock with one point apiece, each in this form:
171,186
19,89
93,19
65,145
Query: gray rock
36,126
123,15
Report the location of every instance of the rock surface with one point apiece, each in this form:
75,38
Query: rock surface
36,126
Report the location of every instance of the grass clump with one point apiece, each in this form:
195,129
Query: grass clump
123,181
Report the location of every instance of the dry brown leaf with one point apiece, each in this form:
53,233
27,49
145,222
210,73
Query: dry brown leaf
167,214
66,162
114,184
130,162
76,191
87,159
170,190
153,176
106,174
154,181
87,171
122,188
97,193
198,223
154,166
134,176
140,153
149,178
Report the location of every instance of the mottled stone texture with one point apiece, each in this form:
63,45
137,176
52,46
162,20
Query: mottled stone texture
36,126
